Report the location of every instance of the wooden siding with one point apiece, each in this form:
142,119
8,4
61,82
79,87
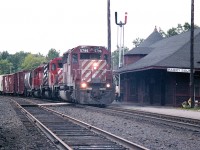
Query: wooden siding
132,59
157,87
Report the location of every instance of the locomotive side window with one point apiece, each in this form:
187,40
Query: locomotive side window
60,65
53,67
65,57
90,56
74,58
35,74
106,57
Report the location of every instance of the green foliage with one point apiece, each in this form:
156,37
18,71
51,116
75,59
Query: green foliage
5,66
115,56
4,55
177,30
137,42
10,63
52,54
32,61
19,58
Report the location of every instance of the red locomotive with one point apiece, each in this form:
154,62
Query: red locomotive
82,75
87,76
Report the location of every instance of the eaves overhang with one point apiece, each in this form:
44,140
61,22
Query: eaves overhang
149,68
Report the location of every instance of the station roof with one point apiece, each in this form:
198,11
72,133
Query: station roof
144,47
171,52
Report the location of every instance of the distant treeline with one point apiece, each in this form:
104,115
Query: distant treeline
10,63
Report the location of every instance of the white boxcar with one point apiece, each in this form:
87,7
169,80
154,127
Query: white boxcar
1,84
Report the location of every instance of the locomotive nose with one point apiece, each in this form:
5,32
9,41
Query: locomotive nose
95,93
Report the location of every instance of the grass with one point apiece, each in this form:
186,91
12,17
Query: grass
189,108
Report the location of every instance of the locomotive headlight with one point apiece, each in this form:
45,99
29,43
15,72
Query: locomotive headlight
108,85
95,65
83,85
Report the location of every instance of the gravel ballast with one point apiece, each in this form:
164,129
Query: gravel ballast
146,133
16,134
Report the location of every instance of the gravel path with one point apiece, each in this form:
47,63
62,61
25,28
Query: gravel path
17,133
149,134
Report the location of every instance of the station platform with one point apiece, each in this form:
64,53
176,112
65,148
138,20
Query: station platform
173,111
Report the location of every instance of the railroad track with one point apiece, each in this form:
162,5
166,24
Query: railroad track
181,122
69,133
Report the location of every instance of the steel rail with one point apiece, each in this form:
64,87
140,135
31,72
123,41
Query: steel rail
163,117
55,139
117,139
159,117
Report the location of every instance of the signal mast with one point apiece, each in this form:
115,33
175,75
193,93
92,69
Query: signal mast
120,47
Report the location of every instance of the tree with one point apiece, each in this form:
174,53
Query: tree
171,32
32,61
137,42
115,56
19,58
178,30
5,66
4,55
52,54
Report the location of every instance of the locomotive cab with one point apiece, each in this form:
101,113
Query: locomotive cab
87,75
52,77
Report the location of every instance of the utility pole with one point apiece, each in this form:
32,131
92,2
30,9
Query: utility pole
109,29
192,55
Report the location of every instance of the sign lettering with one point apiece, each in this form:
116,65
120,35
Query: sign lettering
84,50
178,70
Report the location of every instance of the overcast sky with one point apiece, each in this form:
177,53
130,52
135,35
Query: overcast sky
39,25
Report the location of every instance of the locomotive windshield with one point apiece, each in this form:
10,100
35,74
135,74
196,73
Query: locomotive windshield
90,56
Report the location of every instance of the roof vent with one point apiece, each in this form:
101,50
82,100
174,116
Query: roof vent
155,29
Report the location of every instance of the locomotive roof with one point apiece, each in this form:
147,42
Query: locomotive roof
84,46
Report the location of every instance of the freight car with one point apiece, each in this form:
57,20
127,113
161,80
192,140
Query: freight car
82,75
1,84
12,84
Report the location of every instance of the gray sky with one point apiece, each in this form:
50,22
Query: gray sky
39,25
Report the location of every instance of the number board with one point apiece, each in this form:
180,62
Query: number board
90,50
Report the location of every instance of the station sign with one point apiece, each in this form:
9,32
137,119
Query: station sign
178,70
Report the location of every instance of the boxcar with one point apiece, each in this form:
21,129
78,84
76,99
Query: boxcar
19,82
1,84
9,84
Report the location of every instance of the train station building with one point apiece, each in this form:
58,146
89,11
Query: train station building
157,72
